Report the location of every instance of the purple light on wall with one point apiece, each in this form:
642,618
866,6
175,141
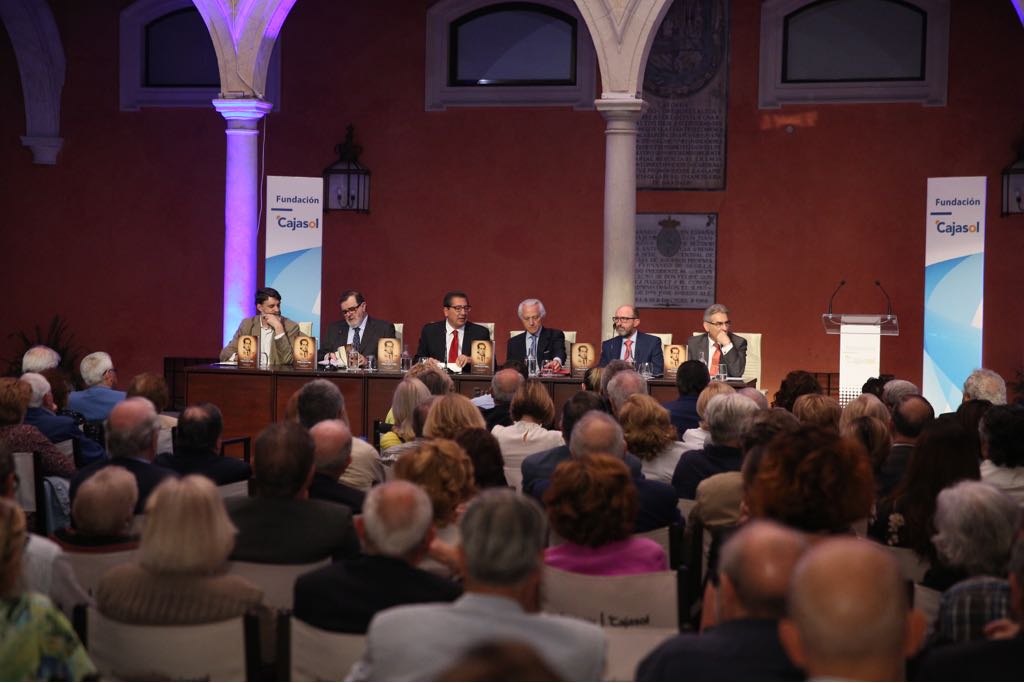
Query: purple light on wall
1019,6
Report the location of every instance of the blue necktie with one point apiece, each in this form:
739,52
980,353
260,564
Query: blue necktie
533,347
355,339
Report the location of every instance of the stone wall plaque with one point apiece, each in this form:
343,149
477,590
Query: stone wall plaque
675,260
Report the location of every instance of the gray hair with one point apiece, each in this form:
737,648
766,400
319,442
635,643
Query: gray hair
503,534
39,358
505,384
531,302
728,416
132,440
894,391
40,388
597,432
623,385
976,525
319,400
94,366
712,309
984,384
396,518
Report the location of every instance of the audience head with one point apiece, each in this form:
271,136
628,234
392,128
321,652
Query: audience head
420,415
39,358
794,385
597,433
444,471
727,417
505,384
533,401
282,465
911,414
755,568
40,389
132,428
200,427
756,396
592,379
623,385
691,378
13,534
710,391
765,425
985,385
875,385
970,413
15,395
1002,435
818,409
485,452
863,405
578,405
517,365
975,526
592,501
873,434
320,400
437,381
186,529
105,503
609,371
59,386
152,386
647,426
409,393
332,447
449,415
397,521
98,368
895,389
503,539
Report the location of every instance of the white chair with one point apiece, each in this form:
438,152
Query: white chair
752,369
236,489
399,332
31,491
628,646
913,567
649,600
514,477
276,580
570,339
90,567
661,536
306,328
220,651
318,655
685,505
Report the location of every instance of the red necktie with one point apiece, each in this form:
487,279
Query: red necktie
629,350
716,358
453,352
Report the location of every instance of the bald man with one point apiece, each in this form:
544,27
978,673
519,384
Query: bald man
332,441
849,615
757,563
911,414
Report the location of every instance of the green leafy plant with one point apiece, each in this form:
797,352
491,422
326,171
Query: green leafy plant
57,336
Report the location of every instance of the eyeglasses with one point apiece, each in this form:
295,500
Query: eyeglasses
352,309
617,319
460,309
727,323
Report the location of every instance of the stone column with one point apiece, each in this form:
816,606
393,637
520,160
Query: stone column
619,205
241,202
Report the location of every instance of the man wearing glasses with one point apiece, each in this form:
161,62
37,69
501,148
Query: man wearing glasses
449,340
717,344
355,328
630,344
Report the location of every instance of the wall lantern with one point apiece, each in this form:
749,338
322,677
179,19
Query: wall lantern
346,181
1013,185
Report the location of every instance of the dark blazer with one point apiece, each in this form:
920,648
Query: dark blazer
337,335
647,350
290,531
683,413
345,596
432,339
326,488
696,466
550,346
539,467
893,469
979,660
736,359
219,469
498,415
59,428
147,476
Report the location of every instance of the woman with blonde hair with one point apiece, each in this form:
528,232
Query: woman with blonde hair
650,436
449,415
180,576
409,393
698,436
817,409
532,411
865,405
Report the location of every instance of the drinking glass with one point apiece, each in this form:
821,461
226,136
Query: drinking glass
723,372
531,367
371,363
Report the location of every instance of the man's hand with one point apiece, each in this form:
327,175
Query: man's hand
721,336
1001,629
553,365
462,360
273,321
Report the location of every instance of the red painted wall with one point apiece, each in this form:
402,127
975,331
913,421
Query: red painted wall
124,236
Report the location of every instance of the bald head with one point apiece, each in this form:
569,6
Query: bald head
505,384
755,396
756,566
910,416
332,441
623,385
132,428
596,433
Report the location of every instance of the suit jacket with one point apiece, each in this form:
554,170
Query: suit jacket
290,531
736,359
683,413
646,350
337,335
696,466
432,340
551,345
344,596
981,660
538,468
59,428
326,488
219,469
280,350
147,476
893,469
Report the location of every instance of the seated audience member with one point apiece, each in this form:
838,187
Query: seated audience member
817,409
609,371
691,378
865,405
591,504
728,418
1002,446
179,577
197,450
873,434
849,616
390,456
39,358
503,536
622,386
500,660
485,452
756,396
943,456
449,415
985,385
969,414
102,513
37,642
131,442
279,524
99,397
396,530
504,386
56,428
895,390
15,395
976,525
995,659
152,386
911,414
409,393
875,385
755,569
651,436
333,452
321,400
532,410
794,385
60,389
812,480
697,438
592,380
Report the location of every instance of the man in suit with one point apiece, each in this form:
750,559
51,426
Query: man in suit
630,344
280,524
355,328
754,572
450,340
333,443
276,334
728,417
718,345
57,428
546,344
396,530
910,416
197,447
502,560
691,379
504,385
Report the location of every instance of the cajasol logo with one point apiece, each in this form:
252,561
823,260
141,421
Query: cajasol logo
952,228
289,223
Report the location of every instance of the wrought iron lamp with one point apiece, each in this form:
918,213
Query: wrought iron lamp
346,181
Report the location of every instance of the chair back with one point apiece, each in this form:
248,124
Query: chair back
649,600
628,646
219,651
670,538
665,337
570,339
31,493
399,330
913,567
306,328
685,505
244,441
89,567
276,580
236,489
752,370
319,655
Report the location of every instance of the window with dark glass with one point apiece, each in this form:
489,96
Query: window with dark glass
179,52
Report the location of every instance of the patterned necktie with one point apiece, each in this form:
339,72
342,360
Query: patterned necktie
629,350
533,347
716,358
453,351
355,339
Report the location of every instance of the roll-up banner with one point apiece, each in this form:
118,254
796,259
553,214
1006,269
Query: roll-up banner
295,246
954,272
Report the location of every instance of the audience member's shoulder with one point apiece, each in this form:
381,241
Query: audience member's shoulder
330,509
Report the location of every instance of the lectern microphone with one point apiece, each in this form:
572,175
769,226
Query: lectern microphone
888,301
832,298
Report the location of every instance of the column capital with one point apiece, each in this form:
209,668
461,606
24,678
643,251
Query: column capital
242,112
620,108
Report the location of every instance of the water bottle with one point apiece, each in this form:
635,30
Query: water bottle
406,361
